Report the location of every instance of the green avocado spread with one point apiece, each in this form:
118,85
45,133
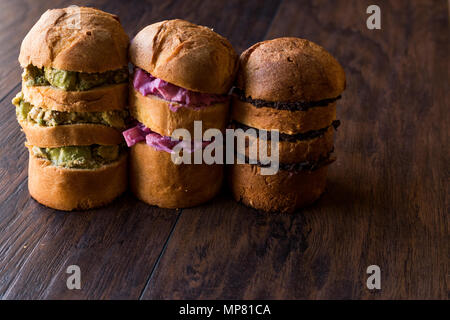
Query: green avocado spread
71,80
49,118
85,157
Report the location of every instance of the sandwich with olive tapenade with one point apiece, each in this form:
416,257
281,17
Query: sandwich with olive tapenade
72,107
290,85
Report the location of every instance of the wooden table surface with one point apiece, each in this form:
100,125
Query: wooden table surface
387,198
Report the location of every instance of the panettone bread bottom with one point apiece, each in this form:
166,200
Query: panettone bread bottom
285,191
156,180
75,189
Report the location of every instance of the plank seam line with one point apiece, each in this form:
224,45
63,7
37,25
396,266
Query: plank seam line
163,250
10,91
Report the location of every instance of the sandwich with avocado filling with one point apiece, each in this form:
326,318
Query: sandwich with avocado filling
73,107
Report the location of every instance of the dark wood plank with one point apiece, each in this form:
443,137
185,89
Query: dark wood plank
226,251
241,22
12,150
387,200
117,246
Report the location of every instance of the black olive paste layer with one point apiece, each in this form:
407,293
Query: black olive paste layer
281,105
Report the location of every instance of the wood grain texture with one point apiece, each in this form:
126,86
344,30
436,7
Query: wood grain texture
387,197
386,202
115,248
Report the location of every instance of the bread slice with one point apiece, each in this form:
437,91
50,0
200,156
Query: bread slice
156,180
75,189
187,55
76,39
286,121
104,98
297,150
289,69
285,191
82,134
155,114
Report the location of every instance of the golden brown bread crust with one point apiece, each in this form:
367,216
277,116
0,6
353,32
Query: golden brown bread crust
98,45
155,114
286,70
285,121
156,180
187,55
289,69
283,192
113,97
82,134
299,150
75,189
